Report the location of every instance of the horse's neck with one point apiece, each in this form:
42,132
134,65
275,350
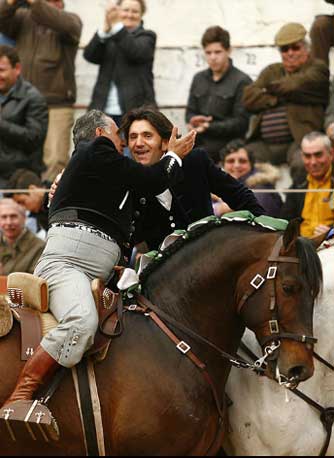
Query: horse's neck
201,293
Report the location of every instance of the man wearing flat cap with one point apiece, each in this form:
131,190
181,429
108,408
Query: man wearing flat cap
289,100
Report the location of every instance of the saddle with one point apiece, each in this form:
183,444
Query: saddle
28,302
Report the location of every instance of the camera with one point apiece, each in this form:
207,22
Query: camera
22,4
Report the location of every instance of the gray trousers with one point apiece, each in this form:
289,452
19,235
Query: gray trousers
71,259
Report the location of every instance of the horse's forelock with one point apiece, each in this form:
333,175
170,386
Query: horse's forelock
310,265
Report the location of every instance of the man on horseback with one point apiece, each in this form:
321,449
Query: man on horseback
147,132
90,218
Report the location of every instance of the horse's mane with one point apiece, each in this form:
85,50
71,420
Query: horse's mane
310,265
189,236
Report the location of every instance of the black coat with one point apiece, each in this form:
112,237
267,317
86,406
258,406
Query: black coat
126,58
99,182
191,200
23,127
221,100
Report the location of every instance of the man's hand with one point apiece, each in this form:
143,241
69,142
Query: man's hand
181,146
54,186
112,15
321,229
13,2
199,120
276,88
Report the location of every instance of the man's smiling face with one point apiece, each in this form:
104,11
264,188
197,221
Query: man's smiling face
145,143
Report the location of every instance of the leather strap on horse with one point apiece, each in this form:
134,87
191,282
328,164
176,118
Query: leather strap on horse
235,361
185,349
87,417
31,333
269,275
326,414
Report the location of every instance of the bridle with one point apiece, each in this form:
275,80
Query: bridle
270,275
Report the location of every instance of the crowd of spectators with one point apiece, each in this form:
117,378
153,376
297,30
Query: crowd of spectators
247,128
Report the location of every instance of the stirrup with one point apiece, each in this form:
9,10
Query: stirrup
32,417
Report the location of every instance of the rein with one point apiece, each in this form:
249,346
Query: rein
326,414
270,275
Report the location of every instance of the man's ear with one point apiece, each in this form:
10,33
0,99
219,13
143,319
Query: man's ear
18,69
32,186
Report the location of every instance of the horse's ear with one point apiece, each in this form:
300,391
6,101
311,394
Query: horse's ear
291,233
317,240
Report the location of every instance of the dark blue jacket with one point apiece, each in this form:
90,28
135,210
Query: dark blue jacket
198,178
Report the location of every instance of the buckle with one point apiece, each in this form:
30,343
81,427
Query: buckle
183,347
272,272
257,281
273,326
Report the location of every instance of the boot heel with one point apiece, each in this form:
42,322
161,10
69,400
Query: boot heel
29,417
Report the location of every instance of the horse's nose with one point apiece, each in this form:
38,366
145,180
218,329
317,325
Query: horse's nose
299,373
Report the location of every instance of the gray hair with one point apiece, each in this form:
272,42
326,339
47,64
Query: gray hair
7,202
315,135
85,126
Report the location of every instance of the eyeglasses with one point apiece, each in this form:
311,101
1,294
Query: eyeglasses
293,47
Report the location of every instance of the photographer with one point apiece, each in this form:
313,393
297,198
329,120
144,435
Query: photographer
47,40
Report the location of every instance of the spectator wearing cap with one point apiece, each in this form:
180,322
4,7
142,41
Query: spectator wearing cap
289,100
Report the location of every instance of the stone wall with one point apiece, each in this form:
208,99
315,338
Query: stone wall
180,24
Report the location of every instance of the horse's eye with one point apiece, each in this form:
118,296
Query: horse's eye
289,289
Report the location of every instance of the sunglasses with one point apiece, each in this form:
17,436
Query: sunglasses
293,47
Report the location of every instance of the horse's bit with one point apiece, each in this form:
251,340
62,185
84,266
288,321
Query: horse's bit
257,282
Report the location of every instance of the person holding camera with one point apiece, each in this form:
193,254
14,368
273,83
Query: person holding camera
47,40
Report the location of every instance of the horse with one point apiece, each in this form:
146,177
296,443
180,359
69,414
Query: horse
214,281
267,420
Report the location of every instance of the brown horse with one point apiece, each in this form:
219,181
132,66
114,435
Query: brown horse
154,400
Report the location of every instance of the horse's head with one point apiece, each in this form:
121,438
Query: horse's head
278,305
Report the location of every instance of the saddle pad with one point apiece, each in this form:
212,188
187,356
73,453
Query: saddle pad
34,289
6,317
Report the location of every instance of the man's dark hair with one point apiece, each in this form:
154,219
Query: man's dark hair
216,34
151,114
22,179
85,126
233,146
10,53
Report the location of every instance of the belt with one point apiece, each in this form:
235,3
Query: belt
82,227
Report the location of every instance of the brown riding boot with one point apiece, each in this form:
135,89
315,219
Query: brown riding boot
37,371
21,412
